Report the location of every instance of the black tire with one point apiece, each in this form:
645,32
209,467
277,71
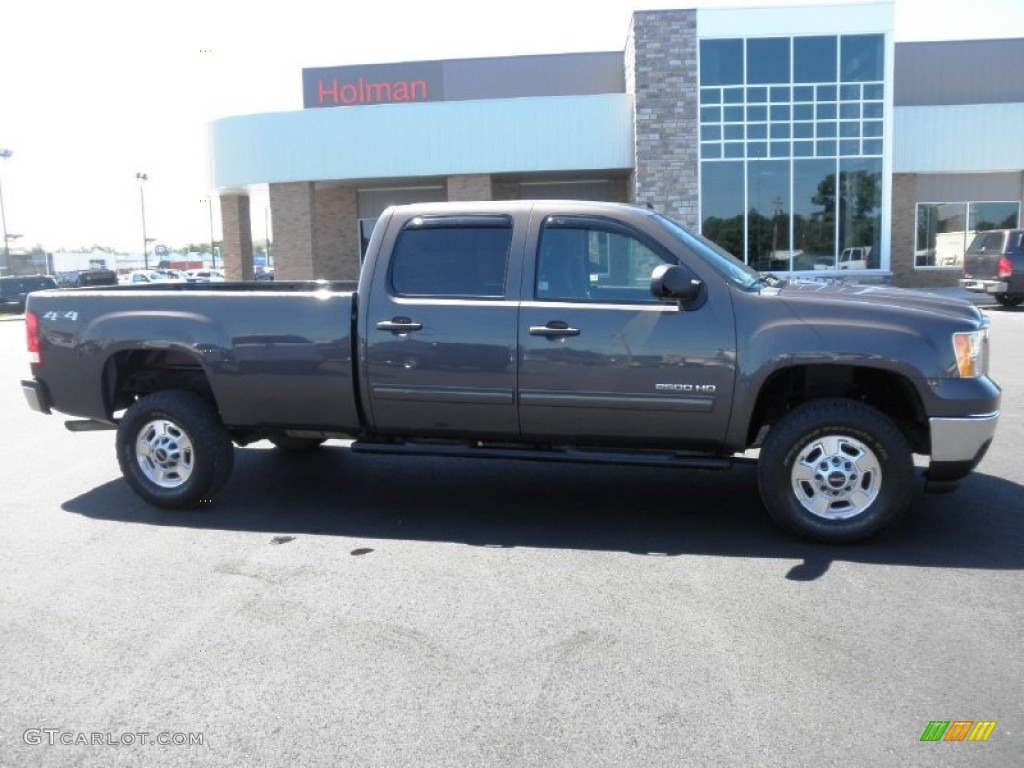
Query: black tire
293,444
835,471
1009,299
173,450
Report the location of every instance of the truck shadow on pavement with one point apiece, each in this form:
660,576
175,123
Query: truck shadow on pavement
507,504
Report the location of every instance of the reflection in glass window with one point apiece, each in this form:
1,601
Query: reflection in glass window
768,60
814,214
860,210
814,59
861,58
982,216
945,230
721,196
721,62
768,215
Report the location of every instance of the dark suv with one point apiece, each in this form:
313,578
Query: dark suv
13,290
994,264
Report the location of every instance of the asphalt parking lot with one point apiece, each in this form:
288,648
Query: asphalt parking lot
338,609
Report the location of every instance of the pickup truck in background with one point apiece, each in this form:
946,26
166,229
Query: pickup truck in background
536,330
994,264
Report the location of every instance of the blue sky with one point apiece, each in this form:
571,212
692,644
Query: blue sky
93,92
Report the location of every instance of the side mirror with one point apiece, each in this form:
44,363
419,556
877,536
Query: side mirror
673,282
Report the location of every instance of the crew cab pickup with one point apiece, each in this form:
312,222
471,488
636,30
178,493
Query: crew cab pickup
994,264
537,330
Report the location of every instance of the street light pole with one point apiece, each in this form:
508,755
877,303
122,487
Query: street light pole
142,178
5,153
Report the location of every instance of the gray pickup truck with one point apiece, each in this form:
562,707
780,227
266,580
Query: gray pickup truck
538,330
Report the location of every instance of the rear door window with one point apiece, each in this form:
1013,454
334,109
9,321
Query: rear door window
987,242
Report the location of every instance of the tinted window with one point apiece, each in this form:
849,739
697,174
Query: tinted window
581,261
721,62
861,57
768,60
992,242
433,258
814,59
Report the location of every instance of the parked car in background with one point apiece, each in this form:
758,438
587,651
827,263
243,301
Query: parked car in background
147,276
93,277
994,264
204,276
14,290
264,273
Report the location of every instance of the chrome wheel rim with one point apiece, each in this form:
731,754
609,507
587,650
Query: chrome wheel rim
164,453
836,477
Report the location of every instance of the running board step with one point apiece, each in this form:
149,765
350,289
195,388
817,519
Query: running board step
573,456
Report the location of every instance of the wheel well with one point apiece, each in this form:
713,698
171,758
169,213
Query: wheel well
132,374
885,391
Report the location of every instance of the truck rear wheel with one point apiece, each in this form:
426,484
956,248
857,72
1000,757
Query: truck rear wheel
173,450
836,471
1009,299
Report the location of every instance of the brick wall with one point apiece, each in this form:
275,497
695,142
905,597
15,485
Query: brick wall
470,187
336,234
236,238
661,73
294,238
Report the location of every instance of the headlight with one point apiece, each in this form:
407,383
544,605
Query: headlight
969,348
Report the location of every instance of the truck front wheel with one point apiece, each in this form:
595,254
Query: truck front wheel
836,471
173,450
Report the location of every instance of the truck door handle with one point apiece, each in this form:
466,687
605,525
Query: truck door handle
554,330
399,325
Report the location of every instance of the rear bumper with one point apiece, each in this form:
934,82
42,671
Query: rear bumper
37,395
985,286
959,445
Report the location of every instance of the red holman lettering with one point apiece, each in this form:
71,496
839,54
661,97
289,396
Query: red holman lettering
362,92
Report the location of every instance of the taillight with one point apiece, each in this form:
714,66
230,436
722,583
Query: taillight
1004,268
32,337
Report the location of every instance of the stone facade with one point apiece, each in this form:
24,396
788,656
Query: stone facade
236,242
661,74
470,187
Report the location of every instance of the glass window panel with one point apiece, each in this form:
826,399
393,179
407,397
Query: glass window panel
983,216
803,130
860,210
814,59
826,111
721,62
779,93
779,148
941,234
849,129
803,93
848,147
872,109
768,60
874,92
814,214
710,151
826,130
733,95
779,112
734,149
451,261
710,114
733,114
873,128
803,148
757,149
757,113
826,92
768,214
780,130
826,148
722,205
849,92
860,58
710,95
734,131
757,95
803,112
849,111
872,147
710,133
757,131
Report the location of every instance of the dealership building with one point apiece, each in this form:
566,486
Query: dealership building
802,139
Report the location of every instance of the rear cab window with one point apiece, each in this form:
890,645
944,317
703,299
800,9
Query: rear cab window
452,257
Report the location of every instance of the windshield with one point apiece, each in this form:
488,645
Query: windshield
716,257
